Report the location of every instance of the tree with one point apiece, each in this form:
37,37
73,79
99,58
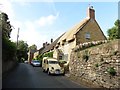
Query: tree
22,50
114,32
8,47
33,48
5,25
8,50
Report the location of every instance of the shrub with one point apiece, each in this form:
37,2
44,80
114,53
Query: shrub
40,57
48,54
115,52
86,57
97,65
8,49
62,61
111,71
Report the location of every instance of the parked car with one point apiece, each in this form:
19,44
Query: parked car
35,63
51,66
26,62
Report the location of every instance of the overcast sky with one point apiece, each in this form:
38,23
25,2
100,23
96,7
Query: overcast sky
40,21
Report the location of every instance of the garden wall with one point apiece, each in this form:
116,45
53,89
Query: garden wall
96,66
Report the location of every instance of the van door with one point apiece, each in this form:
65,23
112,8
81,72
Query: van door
46,65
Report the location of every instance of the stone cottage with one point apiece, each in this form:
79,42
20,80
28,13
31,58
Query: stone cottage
86,31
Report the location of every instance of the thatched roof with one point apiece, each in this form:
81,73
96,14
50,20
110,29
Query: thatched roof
69,35
51,46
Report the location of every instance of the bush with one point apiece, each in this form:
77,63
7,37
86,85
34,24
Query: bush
39,57
86,57
8,49
115,52
111,71
97,65
48,54
62,61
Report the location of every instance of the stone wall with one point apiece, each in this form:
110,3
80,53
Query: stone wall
7,66
97,66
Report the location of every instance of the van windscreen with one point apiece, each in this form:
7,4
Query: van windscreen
53,62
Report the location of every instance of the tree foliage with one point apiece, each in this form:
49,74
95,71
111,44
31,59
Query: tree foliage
8,50
8,47
33,48
114,32
5,25
48,54
22,50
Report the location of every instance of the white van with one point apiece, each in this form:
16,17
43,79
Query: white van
51,66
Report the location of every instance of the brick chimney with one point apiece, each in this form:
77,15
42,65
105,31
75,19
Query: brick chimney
43,44
46,44
91,12
51,40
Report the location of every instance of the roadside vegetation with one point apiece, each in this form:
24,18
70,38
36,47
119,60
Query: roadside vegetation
10,50
114,32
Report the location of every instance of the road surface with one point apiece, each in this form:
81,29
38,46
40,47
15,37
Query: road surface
27,76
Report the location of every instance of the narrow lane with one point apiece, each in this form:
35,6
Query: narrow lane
27,76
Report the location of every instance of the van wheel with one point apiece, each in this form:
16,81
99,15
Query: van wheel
63,74
49,72
43,70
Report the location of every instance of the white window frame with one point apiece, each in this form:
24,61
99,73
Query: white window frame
87,35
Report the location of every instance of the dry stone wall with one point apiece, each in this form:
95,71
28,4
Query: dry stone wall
7,66
97,66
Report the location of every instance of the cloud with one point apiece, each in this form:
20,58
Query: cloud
29,30
43,21
6,7
33,32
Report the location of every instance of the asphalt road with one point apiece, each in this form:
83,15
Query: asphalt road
27,76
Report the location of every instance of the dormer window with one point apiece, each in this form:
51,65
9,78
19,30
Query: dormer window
64,40
59,43
87,35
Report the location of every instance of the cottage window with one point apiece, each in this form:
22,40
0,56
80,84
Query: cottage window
64,40
59,43
71,40
87,35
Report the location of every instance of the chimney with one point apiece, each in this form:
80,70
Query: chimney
46,44
51,40
91,12
43,44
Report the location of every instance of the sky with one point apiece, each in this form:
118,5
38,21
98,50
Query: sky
39,21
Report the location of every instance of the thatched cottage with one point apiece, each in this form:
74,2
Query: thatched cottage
86,31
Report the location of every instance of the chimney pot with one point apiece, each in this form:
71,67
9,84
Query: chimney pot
51,40
46,44
43,44
91,12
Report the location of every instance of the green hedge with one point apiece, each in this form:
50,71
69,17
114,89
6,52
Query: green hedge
8,49
48,54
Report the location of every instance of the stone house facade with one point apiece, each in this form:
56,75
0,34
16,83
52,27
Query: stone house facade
86,31
36,53
30,56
